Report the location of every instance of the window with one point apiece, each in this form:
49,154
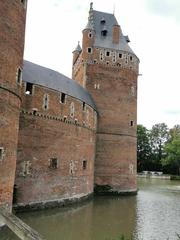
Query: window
1,153
90,35
89,50
84,106
29,88
84,164
46,102
72,110
120,55
97,86
107,54
53,163
19,76
132,123
130,58
103,21
104,33
63,98
24,2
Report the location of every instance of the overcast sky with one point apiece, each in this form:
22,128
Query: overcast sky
54,27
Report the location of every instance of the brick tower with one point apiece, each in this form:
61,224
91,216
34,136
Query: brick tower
108,68
12,29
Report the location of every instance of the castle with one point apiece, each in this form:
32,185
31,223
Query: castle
63,139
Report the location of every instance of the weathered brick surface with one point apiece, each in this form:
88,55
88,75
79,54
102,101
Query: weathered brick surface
46,135
115,163
12,25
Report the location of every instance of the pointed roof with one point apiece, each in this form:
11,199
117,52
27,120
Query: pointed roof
90,24
106,21
78,48
101,21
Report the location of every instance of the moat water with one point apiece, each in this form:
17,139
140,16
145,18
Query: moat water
154,214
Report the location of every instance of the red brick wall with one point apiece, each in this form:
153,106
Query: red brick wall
115,163
12,25
9,124
46,135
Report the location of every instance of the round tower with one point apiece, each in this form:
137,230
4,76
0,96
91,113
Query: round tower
88,38
12,25
76,53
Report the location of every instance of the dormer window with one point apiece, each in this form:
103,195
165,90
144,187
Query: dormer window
103,21
104,33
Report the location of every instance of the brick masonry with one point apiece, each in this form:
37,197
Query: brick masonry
59,150
12,25
44,135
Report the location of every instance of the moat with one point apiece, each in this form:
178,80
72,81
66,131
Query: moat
153,214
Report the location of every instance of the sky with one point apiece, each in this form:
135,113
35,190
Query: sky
54,27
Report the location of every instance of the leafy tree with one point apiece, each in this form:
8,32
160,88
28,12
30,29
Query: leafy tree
159,135
172,150
171,161
143,149
174,132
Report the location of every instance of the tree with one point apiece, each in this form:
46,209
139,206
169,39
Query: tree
172,150
174,132
143,149
159,135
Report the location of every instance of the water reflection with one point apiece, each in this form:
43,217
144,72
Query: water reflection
154,214
158,210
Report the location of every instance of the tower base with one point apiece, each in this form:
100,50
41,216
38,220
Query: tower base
108,190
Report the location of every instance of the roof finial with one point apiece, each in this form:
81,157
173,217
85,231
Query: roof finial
114,8
91,6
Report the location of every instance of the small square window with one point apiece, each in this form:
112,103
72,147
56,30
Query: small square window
120,55
53,163
89,50
84,164
107,53
132,123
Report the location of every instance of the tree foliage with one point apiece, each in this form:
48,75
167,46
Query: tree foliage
143,148
172,151
158,149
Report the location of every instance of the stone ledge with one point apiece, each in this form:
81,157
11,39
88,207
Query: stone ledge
52,203
106,190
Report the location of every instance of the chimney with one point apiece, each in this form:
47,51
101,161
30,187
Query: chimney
116,34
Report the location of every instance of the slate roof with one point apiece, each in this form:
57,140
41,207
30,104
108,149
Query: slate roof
46,77
108,21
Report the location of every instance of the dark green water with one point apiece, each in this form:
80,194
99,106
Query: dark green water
154,214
